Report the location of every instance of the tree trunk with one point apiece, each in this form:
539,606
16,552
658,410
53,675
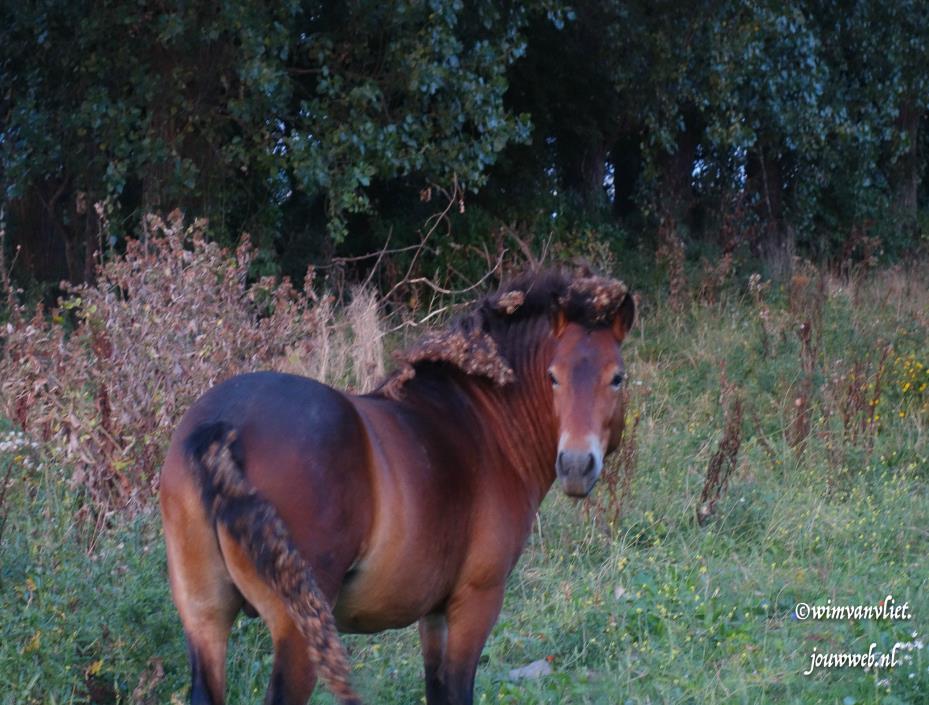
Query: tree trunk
906,170
584,166
52,238
39,236
675,173
626,157
765,183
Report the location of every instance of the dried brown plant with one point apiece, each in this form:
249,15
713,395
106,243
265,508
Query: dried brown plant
670,254
725,460
606,505
103,378
806,300
736,228
851,397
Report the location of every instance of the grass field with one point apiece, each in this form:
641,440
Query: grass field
656,610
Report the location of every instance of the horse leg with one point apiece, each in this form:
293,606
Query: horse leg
433,635
206,598
470,614
207,636
293,674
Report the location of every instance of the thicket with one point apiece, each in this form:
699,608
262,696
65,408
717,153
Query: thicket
102,379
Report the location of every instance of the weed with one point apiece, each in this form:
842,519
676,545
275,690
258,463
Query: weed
670,255
615,484
724,461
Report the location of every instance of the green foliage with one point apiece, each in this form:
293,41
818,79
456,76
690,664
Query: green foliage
230,110
811,110
314,126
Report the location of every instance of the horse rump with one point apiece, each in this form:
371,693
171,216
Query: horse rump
215,454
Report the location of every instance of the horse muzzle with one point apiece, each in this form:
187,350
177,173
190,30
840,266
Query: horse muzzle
578,471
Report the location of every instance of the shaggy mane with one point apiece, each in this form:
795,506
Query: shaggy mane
476,342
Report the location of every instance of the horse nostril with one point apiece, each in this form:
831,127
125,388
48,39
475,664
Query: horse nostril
590,464
559,464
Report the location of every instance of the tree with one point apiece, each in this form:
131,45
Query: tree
241,111
314,125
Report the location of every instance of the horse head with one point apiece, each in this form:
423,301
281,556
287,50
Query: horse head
586,373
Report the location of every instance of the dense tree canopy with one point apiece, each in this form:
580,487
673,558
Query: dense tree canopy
315,125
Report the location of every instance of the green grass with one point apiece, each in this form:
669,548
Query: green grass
659,611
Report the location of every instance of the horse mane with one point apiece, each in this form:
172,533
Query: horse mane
480,342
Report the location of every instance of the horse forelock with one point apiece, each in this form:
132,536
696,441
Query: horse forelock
486,341
593,301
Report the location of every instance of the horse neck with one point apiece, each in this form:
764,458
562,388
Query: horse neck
509,428
519,422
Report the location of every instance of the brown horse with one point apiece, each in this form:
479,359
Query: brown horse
282,496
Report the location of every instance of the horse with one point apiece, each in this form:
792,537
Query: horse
324,511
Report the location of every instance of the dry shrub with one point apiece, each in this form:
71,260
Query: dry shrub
365,323
769,322
806,300
851,397
606,504
715,276
723,462
106,376
859,256
737,227
670,254
905,289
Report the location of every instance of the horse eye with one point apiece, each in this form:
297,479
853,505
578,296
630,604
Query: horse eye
617,380
553,378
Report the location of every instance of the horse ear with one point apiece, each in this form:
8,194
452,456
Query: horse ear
624,319
559,321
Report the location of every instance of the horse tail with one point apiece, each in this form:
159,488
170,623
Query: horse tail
231,501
